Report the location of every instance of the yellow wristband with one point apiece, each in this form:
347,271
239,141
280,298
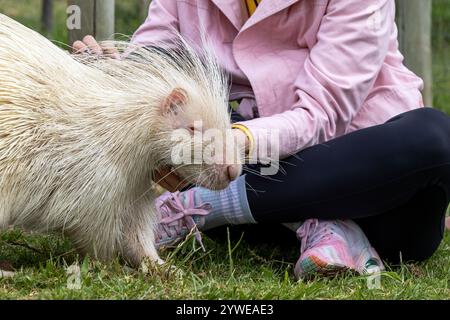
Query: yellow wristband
249,135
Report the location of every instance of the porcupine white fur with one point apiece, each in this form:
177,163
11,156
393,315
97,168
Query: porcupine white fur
80,137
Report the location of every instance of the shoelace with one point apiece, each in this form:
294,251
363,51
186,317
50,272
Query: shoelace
310,234
177,214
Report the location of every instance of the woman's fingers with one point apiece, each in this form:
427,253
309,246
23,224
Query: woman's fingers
92,44
447,223
89,45
110,49
79,47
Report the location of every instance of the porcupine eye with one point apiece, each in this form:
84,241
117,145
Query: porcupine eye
191,129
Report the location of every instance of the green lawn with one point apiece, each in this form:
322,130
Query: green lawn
229,269
251,271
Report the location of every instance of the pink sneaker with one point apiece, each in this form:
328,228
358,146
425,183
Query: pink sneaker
332,247
179,217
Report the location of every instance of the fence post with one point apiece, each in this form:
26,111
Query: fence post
104,19
47,17
97,19
414,24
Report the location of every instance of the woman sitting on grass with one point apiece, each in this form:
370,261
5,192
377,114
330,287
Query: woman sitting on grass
368,167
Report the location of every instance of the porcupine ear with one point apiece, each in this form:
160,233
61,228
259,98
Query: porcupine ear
177,98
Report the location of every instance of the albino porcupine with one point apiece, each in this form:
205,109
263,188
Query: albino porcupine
81,136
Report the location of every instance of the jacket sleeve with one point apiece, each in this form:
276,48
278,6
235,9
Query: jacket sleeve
352,44
162,18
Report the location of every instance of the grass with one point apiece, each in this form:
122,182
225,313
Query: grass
250,269
262,271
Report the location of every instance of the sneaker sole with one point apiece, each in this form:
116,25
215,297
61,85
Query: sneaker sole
313,266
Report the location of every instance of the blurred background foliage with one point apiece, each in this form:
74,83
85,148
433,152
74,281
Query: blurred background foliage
130,14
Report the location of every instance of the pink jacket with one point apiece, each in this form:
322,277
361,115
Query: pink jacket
312,69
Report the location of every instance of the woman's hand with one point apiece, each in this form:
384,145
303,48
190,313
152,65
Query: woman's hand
447,223
90,46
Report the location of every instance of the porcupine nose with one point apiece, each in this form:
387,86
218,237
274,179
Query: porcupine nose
233,172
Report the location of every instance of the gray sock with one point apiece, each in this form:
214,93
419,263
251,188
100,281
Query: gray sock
229,206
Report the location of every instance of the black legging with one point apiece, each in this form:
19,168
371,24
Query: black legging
392,179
